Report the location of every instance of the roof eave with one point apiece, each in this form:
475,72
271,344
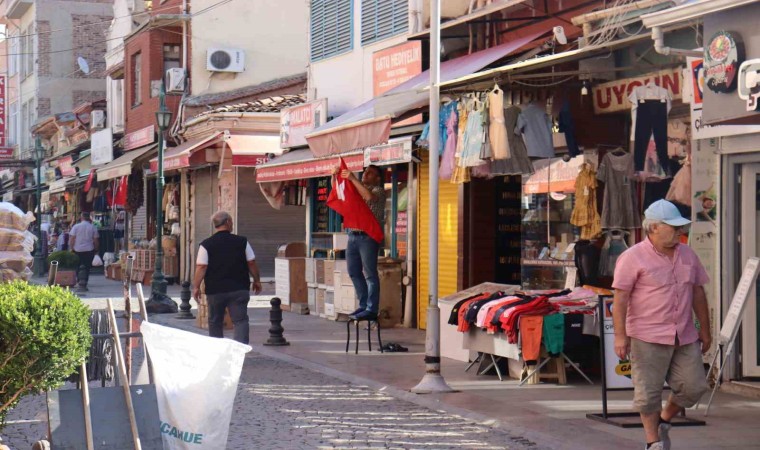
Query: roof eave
691,12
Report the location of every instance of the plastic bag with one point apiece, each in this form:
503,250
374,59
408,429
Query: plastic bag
12,217
196,381
12,240
16,261
97,261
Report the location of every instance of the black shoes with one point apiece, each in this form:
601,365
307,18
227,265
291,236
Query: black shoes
358,311
364,315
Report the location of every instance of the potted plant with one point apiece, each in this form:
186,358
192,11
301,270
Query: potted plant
68,264
44,337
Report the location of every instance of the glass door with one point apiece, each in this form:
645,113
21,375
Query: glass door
750,234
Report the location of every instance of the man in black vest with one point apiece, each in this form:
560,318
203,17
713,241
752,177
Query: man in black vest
224,262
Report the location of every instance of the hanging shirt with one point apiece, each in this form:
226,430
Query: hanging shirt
536,128
642,93
679,140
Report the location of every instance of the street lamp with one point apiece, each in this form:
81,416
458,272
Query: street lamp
159,301
39,258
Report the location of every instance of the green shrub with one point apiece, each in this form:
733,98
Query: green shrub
44,336
66,260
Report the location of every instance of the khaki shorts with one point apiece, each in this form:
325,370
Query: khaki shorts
654,364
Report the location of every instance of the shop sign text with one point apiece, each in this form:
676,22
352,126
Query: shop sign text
387,154
723,55
298,121
140,138
613,96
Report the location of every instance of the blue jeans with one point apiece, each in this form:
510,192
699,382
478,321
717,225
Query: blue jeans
361,257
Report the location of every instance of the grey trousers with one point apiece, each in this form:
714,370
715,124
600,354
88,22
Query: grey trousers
237,302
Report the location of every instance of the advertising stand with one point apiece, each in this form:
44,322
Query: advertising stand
616,376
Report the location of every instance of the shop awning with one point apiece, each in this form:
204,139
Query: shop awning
122,165
58,186
253,150
543,61
300,164
370,123
180,156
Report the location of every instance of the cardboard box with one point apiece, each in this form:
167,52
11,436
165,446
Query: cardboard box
320,275
310,270
329,268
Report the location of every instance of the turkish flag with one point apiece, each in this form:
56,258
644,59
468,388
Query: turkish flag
345,200
121,193
90,179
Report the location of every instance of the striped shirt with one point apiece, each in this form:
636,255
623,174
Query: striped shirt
377,206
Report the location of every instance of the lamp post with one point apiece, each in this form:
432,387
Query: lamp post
158,285
39,258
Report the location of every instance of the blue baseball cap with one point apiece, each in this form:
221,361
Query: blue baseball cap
666,212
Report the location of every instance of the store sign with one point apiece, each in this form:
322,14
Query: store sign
307,169
749,84
66,167
101,147
723,54
699,130
554,175
613,96
391,153
395,65
298,121
140,138
3,140
6,153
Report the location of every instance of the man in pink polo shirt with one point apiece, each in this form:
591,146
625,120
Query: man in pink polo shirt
658,285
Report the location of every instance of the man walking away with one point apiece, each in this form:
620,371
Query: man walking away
658,283
84,241
362,251
224,262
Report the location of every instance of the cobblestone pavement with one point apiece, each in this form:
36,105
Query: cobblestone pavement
283,406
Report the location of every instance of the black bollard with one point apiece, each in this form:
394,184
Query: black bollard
275,331
184,307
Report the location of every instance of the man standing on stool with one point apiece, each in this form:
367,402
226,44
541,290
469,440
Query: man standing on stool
658,283
224,262
84,241
362,251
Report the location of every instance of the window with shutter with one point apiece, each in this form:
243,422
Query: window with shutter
331,28
382,19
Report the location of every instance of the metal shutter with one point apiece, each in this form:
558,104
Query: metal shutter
383,18
204,201
265,227
331,28
138,227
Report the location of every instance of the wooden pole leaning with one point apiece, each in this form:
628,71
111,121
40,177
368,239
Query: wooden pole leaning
124,380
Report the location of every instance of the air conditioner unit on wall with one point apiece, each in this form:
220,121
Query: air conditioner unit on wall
175,80
225,60
98,119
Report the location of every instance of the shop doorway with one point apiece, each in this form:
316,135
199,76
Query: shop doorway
750,246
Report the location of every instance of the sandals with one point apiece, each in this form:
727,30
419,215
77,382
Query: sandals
394,348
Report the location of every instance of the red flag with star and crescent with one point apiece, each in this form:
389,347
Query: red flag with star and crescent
346,201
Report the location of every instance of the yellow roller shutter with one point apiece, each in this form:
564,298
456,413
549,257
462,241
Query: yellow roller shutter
448,233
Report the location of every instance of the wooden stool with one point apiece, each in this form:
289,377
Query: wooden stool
554,370
369,334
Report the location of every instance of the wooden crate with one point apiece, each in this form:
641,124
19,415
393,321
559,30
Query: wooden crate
145,259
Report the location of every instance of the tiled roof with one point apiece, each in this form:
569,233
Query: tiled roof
264,105
248,91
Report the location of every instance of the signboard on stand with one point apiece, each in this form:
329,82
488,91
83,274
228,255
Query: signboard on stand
617,372
298,121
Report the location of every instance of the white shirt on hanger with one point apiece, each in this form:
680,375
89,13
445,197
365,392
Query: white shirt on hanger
649,92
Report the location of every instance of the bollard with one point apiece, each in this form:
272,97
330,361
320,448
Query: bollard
275,331
185,307
52,272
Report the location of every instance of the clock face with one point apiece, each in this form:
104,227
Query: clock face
720,47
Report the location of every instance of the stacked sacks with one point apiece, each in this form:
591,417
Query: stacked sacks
16,243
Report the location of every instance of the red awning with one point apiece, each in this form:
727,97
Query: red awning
254,149
300,164
179,157
370,123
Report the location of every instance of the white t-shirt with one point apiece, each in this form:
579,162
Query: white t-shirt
85,233
202,258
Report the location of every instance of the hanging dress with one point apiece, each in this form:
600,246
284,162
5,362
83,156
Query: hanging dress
620,207
497,129
518,162
585,213
446,171
614,246
461,174
474,138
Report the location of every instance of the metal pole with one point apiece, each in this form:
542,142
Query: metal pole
433,381
158,283
39,258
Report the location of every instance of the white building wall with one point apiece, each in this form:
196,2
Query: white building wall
346,80
273,34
